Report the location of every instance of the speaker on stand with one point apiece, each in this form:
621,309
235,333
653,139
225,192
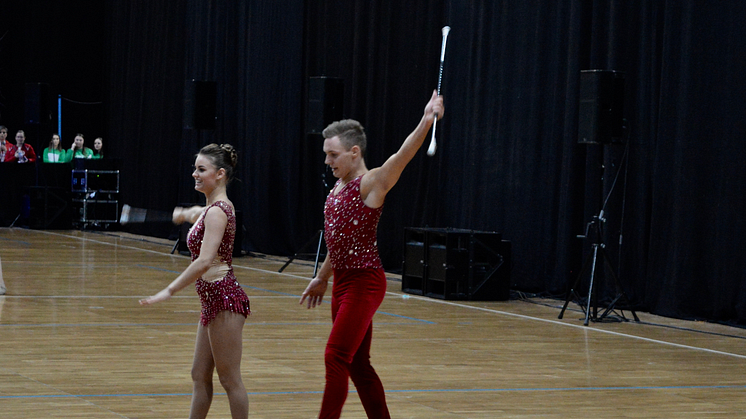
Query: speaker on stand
325,100
200,104
38,104
601,110
600,123
37,112
238,240
325,105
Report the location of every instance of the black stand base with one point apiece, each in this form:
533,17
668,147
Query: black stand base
320,235
591,307
176,245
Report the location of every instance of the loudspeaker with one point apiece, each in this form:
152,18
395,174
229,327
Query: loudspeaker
49,208
37,103
413,269
325,100
183,233
200,104
238,239
456,264
600,114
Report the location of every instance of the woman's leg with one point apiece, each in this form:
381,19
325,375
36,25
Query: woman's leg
202,368
226,341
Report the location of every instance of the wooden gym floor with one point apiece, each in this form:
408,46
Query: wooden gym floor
74,343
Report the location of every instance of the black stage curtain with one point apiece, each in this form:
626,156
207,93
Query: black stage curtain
509,160
508,157
253,53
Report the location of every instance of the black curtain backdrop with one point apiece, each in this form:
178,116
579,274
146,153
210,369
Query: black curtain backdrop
508,158
43,42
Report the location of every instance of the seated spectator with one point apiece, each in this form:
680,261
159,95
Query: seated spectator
54,153
4,144
98,148
20,152
78,149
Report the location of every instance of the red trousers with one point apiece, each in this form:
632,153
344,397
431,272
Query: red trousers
356,295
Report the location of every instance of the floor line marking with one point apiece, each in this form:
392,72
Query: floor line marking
590,329
435,390
431,300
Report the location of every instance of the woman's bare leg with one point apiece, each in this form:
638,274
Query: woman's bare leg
202,368
226,341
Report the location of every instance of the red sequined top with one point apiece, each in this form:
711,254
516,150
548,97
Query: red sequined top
350,228
223,293
197,233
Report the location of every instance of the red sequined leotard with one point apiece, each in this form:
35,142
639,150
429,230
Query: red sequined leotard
225,293
350,228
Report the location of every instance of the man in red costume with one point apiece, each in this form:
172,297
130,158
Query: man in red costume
351,216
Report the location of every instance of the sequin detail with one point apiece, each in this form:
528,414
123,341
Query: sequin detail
350,228
197,233
226,293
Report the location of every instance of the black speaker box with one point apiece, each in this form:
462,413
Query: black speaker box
456,264
50,208
38,104
200,104
413,269
325,100
601,109
238,241
182,244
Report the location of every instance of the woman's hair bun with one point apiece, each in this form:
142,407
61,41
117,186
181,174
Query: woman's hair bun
231,152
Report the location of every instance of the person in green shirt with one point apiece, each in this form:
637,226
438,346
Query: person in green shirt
55,153
78,149
98,148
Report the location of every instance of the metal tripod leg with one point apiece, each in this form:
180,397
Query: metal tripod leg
620,292
592,302
591,288
572,292
14,221
319,233
318,253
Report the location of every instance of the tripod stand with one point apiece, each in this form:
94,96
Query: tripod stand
592,262
320,235
600,122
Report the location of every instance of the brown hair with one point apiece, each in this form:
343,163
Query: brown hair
59,143
351,133
223,156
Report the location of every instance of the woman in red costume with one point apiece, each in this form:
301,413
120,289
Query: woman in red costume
224,303
351,216
20,152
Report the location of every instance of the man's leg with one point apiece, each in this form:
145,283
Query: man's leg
355,299
367,383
